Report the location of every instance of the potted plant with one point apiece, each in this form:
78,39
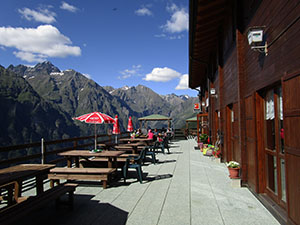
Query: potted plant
234,169
203,140
217,152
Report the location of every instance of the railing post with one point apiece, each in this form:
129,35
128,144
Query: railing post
43,150
75,144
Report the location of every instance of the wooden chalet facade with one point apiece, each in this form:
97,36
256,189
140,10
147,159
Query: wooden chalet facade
256,105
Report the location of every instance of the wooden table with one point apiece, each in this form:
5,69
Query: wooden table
106,145
135,140
86,154
17,174
133,147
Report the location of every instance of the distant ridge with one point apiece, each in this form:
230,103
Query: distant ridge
69,93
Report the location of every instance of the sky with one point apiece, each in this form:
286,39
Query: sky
113,42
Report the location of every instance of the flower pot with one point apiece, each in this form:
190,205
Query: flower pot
234,173
209,152
200,145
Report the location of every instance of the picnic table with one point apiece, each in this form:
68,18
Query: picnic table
133,147
135,140
13,177
106,145
86,154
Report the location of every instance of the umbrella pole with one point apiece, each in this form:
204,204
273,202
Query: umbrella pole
95,138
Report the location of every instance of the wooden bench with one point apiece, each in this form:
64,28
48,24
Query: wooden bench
13,213
81,174
126,155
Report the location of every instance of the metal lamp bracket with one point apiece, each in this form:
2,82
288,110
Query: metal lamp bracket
261,49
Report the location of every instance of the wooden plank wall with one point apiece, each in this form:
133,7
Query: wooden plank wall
229,85
291,93
262,71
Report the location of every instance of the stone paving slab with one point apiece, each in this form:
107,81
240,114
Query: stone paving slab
184,188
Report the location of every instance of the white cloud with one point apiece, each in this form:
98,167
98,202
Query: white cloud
30,57
170,37
41,15
160,35
183,83
127,73
36,44
143,12
179,20
162,75
68,7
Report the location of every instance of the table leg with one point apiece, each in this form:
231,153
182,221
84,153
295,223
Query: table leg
39,184
10,191
115,162
77,162
69,162
19,186
109,163
135,151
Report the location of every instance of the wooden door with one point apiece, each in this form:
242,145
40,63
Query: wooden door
274,146
235,134
291,108
251,149
216,127
228,144
223,136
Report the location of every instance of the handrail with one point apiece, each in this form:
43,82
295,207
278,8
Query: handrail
34,153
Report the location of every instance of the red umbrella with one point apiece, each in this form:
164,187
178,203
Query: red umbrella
95,118
116,129
130,127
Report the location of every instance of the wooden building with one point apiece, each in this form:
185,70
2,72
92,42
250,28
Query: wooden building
253,92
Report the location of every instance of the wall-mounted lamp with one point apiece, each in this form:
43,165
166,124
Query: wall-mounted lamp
256,38
213,93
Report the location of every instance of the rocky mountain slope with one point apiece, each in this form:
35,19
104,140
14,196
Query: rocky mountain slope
40,101
26,117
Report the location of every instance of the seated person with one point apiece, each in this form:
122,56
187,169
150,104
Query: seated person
159,137
150,135
138,133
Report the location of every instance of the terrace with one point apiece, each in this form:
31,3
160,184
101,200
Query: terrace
185,187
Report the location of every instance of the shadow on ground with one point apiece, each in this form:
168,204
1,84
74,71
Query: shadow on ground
86,211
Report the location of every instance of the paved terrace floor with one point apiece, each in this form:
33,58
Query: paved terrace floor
184,188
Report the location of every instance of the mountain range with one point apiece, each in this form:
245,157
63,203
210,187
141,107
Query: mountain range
40,101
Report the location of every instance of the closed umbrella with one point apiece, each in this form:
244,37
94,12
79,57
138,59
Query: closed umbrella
130,127
116,128
95,118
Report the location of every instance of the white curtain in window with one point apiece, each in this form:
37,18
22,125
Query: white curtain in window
280,108
270,114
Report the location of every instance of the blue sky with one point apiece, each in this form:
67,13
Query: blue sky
113,42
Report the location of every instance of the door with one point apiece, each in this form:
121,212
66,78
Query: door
291,144
216,128
251,142
235,134
274,146
229,122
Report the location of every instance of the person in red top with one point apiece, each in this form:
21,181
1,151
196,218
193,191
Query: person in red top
150,134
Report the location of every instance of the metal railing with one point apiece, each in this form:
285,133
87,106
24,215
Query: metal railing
46,151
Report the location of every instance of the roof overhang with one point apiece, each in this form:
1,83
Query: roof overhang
154,117
206,17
